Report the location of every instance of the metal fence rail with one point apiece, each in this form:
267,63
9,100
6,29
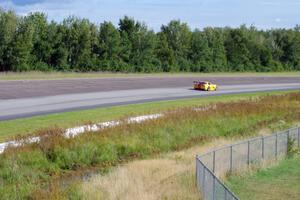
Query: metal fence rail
239,156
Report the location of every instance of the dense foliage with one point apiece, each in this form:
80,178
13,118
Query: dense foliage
33,43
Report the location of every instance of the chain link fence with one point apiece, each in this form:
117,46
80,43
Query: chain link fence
237,157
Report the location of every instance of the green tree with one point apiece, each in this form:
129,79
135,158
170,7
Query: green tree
165,54
109,47
42,46
179,37
143,57
237,50
33,43
22,46
295,49
215,38
260,55
78,42
138,45
129,29
59,54
8,25
200,55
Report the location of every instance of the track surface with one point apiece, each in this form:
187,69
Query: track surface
27,107
40,88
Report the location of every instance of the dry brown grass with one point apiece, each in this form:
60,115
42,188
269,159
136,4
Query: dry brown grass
170,176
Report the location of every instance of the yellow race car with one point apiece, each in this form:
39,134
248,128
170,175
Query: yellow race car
206,86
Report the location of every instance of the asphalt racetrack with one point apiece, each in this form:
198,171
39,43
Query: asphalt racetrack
19,99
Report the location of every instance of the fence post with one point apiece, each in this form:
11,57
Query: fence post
298,136
263,147
248,153
231,151
214,161
276,141
203,180
197,174
214,188
287,141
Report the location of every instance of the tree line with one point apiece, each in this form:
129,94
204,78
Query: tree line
32,43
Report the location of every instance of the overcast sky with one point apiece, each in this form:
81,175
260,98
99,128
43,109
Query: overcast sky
197,13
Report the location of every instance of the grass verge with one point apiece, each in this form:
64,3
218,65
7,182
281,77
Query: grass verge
277,182
39,171
21,127
34,75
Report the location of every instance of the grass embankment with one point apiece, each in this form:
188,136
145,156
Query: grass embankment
281,181
10,129
35,75
30,171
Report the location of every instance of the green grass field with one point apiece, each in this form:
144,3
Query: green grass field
278,182
32,171
63,75
10,129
